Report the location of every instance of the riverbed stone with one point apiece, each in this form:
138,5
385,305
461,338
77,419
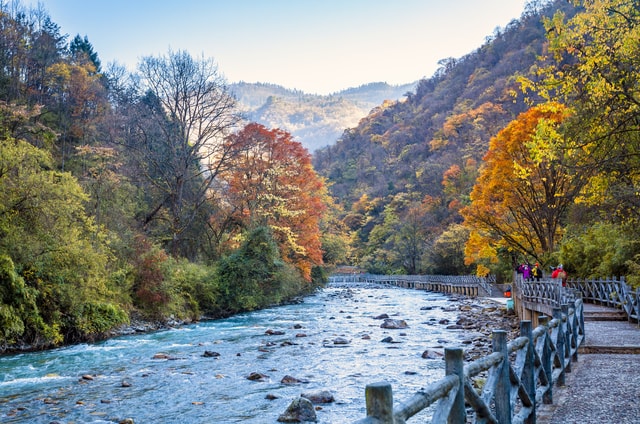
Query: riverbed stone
394,324
256,376
322,396
300,410
432,354
287,379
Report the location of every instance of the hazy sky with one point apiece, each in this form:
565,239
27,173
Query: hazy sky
318,46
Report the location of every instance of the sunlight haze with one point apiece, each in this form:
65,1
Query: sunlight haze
315,46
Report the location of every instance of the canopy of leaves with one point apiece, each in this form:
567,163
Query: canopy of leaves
52,241
272,183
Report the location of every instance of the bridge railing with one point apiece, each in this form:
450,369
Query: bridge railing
612,292
519,375
463,284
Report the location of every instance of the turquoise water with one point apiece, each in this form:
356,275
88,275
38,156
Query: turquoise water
128,382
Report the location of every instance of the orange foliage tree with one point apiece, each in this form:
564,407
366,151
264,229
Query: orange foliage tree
524,189
272,183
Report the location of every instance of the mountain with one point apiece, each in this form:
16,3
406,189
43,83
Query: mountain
404,172
407,146
314,120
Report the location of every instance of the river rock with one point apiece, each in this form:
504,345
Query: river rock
340,341
256,376
432,354
210,354
394,324
161,356
381,316
300,410
271,332
323,396
287,379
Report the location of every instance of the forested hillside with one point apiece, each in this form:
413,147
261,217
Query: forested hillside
314,120
420,188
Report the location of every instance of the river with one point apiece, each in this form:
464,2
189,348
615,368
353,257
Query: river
125,379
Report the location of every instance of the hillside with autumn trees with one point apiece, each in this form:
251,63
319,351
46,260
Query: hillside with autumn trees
149,195
523,150
142,195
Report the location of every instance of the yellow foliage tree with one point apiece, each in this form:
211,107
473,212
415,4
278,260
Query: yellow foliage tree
524,189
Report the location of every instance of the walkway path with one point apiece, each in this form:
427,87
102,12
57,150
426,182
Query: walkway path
604,384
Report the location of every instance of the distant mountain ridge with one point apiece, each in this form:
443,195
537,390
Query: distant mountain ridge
314,120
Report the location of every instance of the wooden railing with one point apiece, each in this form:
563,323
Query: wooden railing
468,285
518,375
542,296
610,292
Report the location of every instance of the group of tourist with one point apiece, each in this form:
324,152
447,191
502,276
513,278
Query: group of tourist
534,273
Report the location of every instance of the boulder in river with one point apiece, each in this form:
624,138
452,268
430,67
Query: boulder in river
323,396
256,376
432,354
300,410
287,379
394,324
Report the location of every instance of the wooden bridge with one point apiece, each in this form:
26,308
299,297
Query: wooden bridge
519,376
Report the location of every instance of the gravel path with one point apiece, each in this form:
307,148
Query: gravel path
603,387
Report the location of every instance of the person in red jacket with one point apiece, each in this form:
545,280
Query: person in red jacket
559,272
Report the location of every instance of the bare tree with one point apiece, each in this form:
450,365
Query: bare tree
180,139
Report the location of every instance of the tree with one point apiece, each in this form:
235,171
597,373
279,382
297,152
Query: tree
82,51
525,187
594,67
78,101
55,248
178,141
272,183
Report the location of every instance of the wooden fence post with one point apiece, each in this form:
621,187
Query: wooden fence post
566,329
454,364
379,399
559,341
503,386
547,360
528,380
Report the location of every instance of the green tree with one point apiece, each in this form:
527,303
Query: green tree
55,246
250,274
82,51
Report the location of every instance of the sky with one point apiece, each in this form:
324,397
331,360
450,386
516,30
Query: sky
317,46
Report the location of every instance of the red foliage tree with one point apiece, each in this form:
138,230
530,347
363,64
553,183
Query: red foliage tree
273,183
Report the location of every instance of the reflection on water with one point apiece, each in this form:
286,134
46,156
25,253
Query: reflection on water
123,380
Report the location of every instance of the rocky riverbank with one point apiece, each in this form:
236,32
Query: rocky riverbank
479,317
